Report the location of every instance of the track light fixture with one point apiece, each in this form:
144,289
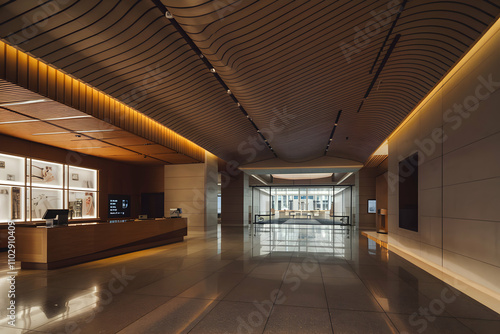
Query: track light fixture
333,131
159,4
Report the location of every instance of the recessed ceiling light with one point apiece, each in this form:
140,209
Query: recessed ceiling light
69,117
50,133
344,178
302,176
86,148
84,131
23,102
25,121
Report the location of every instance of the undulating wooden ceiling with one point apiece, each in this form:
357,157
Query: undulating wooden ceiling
292,65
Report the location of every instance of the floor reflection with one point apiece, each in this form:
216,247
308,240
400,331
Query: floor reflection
306,240
313,279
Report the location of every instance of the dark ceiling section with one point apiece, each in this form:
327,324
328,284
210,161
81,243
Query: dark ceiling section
129,50
294,64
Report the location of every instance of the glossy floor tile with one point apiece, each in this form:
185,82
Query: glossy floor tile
278,279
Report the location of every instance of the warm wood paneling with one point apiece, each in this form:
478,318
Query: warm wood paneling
71,244
115,177
66,93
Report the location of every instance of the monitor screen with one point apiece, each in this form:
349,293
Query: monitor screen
119,206
60,216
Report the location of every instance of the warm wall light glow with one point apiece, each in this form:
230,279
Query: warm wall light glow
383,149
97,103
448,79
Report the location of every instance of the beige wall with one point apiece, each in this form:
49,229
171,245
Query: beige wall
459,174
193,187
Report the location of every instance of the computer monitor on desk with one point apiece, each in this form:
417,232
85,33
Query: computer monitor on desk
60,216
175,212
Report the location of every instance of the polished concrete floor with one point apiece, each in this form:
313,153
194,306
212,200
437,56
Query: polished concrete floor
280,279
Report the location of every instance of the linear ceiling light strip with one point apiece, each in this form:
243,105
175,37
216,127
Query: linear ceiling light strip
333,131
380,68
401,8
212,70
79,134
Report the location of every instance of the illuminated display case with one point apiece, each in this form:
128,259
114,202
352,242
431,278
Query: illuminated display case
28,187
46,174
12,188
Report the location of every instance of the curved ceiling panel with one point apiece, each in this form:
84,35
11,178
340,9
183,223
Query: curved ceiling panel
314,58
130,51
293,65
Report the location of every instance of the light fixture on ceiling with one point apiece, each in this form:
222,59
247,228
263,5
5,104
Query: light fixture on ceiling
259,178
302,176
63,118
23,102
88,131
87,148
344,178
50,133
333,131
197,50
24,121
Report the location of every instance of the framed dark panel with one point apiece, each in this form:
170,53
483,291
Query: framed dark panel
408,193
153,205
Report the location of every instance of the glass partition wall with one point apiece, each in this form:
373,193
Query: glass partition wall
308,205
302,220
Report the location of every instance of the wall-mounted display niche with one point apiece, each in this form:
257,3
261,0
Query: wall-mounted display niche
46,174
82,178
12,170
82,204
11,203
43,199
28,187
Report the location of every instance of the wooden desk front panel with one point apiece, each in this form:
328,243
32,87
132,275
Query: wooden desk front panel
44,245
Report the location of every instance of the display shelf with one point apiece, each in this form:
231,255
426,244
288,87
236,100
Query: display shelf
11,203
81,178
28,187
46,174
43,199
12,170
83,204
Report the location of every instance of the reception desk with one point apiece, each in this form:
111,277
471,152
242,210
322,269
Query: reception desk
49,248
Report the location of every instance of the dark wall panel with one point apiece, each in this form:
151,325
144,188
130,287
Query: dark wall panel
408,193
